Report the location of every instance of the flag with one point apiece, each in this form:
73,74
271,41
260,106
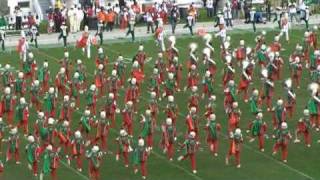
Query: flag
138,75
62,137
201,32
82,42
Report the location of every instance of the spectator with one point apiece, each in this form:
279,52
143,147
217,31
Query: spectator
11,23
3,22
18,15
163,13
268,10
209,6
252,18
37,21
124,18
306,17
116,11
193,12
284,3
25,22
2,39
72,16
278,16
131,28
108,7
235,9
174,18
101,16
31,20
63,34
58,19
149,19
136,9
246,9
80,16
110,17
293,12
227,14
190,23
100,32
220,20
215,7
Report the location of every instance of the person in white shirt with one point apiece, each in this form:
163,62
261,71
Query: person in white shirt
252,18
80,16
149,20
72,19
209,6
63,34
11,22
23,47
293,12
18,15
220,19
34,35
160,37
108,7
285,26
190,23
116,10
301,8
306,17
88,43
131,27
2,39
227,14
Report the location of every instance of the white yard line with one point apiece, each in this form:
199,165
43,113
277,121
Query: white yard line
75,171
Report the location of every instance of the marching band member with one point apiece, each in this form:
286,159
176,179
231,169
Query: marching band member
283,137
172,109
22,115
124,147
246,79
95,159
291,98
304,127
213,129
285,26
23,47
13,145
127,117
172,51
190,147
32,151
50,102
257,129
20,85
91,98
268,88
35,91
77,145
111,109
102,131
236,140
169,136
140,156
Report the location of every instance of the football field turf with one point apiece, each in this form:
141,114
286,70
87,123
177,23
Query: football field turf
303,162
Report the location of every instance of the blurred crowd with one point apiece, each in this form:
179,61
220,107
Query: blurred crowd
121,13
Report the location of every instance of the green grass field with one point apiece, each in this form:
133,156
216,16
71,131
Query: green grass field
303,163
